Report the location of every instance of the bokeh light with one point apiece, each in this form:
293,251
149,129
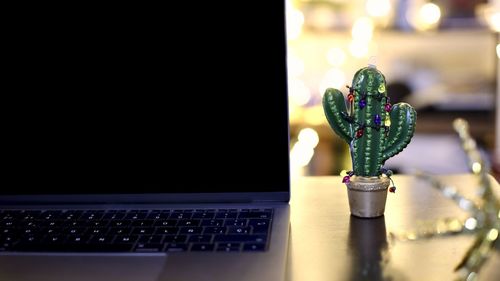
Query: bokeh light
378,8
336,56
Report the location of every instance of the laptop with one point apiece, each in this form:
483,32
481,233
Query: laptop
143,146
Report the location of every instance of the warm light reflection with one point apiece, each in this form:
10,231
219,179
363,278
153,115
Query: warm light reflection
476,167
295,20
299,93
430,13
314,116
378,8
303,151
309,137
358,49
334,78
494,21
498,51
301,154
428,17
492,234
471,223
362,30
295,65
336,56
321,17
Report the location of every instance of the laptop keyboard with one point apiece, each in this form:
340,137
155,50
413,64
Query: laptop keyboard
206,230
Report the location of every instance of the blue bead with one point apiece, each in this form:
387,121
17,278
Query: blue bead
362,103
377,120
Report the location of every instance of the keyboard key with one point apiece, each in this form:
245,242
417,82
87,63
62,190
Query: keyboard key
142,223
157,216
260,225
254,247
175,239
202,247
126,238
228,247
174,216
184,222
120,223
102,239
143,230
176,247
149,247
259,222
200,238
215,230
226,215
190,230
167,230
119,231
136,216
154,239
212,222
203,215
77,239
114,216
238,230
237,222
165,223
256,215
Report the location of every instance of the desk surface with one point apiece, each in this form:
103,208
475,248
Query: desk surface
326,243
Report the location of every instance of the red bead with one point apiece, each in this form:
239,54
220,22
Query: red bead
359,133
346,179
392,189
388,107
350,97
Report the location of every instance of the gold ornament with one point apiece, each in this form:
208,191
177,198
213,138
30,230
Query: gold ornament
484,219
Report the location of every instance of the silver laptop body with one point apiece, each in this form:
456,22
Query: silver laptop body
131,109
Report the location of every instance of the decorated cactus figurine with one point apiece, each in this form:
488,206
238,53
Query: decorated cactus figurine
375,130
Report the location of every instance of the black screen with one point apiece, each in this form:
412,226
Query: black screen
182,98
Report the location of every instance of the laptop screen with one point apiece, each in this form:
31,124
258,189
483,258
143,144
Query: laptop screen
140,102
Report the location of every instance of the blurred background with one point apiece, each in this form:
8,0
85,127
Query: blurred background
440,56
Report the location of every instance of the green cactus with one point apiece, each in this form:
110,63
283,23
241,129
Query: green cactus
374,130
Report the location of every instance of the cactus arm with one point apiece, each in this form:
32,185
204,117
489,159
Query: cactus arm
336,113
403,121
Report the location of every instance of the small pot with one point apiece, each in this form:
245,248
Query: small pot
367,196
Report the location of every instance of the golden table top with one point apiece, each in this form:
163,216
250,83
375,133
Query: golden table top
327,243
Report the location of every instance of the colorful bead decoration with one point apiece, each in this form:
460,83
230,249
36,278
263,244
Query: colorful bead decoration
377,120
362,104
350,97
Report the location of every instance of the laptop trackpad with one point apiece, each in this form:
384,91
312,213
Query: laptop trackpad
76,268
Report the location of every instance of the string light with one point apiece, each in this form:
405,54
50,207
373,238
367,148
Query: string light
333,78
336,56
358,48
299,93
494,21
295,21
362,29
427,17
378,8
